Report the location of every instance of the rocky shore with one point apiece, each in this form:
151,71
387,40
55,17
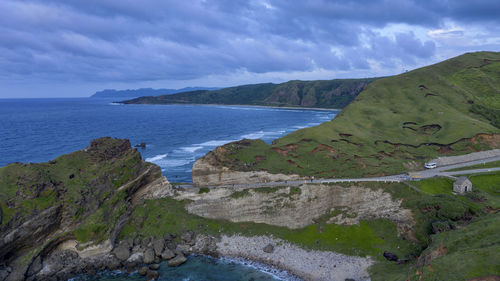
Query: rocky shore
308,265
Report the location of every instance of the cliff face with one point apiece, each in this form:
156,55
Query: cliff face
298,207
216,168
83,196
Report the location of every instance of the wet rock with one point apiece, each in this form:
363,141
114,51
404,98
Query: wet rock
137,241
149,256
154,266
141,145
152,275
188,237
167,254
158,246
390,256
268,249
178,260
143,271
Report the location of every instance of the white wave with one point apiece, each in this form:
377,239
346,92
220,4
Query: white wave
174,162
299,127
115,103
215,142
252,136
156,158
191,149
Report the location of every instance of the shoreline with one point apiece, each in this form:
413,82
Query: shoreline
237,105
307,265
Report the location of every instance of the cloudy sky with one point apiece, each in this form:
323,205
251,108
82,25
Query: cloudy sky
71,48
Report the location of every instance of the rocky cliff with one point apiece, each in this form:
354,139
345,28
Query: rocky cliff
83,197
299,206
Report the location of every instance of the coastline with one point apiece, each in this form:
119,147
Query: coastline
237,105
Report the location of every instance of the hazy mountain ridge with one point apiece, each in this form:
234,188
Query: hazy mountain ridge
132,93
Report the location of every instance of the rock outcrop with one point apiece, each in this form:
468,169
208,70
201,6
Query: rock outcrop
64,216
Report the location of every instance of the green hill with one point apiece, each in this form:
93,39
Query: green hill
393,125
322,93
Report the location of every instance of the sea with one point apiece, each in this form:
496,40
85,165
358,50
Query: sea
38,130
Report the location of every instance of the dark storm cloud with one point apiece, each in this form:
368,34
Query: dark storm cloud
129,40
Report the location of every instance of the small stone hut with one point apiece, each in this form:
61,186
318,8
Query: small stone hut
462,185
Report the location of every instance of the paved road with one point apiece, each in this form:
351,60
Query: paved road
429,173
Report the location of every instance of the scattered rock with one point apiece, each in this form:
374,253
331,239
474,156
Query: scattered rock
149,256
152,275
390,256
158,246
141,145
167,254
268,249
178,260
154,266
168,237
143,271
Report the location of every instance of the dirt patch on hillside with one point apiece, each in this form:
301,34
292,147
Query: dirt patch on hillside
286,149
323,147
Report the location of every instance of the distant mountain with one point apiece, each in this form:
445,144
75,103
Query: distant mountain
320,93
111,93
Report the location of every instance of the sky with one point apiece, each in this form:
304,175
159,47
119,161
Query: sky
73,48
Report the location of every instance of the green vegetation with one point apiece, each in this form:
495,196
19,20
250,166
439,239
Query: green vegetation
435,185
321,93
393,126
157,217
494,164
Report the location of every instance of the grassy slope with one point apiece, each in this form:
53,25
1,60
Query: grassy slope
353,143
477,240
83,182
322,93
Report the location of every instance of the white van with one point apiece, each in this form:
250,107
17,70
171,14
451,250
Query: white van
430,165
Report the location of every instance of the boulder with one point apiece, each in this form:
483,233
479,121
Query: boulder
188,237
183,248
158,246
149,256
154,266
268,249
205,244
178,260
122,252
390,256
136,258
167,254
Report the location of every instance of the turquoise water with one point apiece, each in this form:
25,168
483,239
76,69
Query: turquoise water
201,268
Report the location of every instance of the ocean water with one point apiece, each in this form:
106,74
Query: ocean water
38,130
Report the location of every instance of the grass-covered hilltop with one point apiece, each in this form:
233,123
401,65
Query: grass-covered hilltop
393,125
322,93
